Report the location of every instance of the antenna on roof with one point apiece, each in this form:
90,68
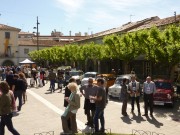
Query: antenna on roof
131,16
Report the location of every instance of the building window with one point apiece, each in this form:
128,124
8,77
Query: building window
26,51
7,35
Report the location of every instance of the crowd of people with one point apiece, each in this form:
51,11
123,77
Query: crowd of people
94,105
134,90
14,85
95,102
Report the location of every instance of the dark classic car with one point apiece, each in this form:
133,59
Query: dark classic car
164,92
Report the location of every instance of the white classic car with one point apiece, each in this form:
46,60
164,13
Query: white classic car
84,81
76,74
114,91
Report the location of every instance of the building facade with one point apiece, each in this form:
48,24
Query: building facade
8,45
141,66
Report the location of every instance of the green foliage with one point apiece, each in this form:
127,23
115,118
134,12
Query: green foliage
161,47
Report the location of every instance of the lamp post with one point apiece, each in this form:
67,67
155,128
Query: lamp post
37,33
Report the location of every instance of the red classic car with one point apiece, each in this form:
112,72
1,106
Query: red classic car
164,92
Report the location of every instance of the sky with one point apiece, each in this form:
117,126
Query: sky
89,16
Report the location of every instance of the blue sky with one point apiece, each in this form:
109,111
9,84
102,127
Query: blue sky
90,16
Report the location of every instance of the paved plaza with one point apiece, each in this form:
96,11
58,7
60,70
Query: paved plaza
41,113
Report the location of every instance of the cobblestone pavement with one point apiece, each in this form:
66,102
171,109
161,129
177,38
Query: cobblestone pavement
41,113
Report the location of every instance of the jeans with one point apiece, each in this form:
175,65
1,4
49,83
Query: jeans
99,114
3,75
18,94
52,85
6,120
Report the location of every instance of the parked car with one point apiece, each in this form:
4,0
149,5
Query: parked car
164,92
114,90
86,76
109,78
77,74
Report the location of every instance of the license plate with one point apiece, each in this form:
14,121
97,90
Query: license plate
158,103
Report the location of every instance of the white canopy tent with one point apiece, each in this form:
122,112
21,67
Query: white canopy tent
26,61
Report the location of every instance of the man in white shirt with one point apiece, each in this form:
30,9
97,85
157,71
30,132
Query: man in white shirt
149,89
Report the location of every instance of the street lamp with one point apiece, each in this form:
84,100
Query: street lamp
37,33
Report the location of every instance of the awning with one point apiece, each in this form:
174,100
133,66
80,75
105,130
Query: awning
26,61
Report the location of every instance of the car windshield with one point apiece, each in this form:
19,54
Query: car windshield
101,77
119,81
163,85
89,75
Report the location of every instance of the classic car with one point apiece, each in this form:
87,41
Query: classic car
109,78
76,74
114,90
164,92
86,76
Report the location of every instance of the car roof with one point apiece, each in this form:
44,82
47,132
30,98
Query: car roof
105,75
128,76
162,80
76,71
91,73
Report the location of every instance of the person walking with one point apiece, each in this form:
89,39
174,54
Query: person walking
71,110
18,89
9,78
134,90
100,101
60,78
23,77
149,89
52,78
89,105
7,105
124,97
34,74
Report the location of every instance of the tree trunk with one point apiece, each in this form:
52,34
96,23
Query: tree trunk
126,67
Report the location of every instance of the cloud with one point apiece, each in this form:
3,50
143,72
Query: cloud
107,13
99,16
70,7
126,4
